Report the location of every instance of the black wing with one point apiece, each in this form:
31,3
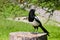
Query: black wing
31,15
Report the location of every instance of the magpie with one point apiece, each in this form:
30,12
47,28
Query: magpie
33,19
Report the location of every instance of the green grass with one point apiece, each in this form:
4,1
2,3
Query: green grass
54,32
10,26
7,26
12,10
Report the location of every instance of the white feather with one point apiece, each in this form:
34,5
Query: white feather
35,23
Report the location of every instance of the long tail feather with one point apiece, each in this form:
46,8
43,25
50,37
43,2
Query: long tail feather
44,29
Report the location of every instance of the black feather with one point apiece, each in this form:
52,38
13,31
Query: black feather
33,18
31,15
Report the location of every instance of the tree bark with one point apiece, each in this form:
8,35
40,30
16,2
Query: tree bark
27,36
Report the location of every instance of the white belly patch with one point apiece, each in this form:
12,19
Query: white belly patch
34,23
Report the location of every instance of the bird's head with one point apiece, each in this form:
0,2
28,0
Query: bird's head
31,15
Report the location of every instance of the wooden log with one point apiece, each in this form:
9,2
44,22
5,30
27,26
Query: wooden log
27,36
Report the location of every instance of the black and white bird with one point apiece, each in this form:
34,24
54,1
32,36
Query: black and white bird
33,19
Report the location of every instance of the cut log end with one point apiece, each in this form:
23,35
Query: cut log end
27,36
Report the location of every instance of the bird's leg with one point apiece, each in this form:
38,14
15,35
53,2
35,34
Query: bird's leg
35,29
